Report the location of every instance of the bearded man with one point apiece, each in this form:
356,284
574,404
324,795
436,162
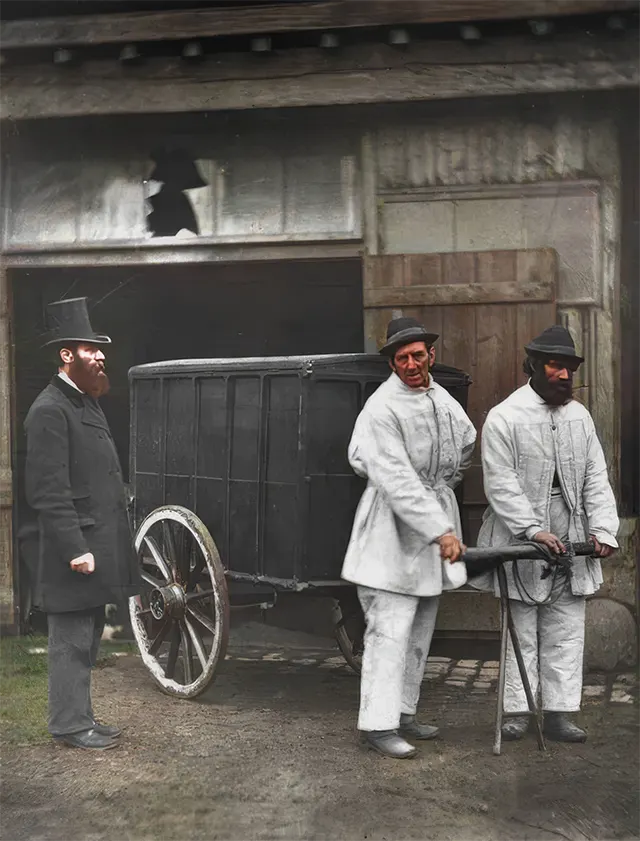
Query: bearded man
74,485
545,478
411,442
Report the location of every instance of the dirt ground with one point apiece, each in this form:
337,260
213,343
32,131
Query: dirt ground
270,751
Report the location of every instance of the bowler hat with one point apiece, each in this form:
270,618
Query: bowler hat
554,341
404,331
68,321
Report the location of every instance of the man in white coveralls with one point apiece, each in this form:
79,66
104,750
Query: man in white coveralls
546,480
412,442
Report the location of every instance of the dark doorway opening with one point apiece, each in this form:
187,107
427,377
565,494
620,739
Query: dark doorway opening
182,311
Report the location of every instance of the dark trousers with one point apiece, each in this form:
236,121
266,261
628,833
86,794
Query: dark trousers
74,640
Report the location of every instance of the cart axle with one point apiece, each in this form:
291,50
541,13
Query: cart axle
168,602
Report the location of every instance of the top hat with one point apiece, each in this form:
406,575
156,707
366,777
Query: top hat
554,341
68,321
404,331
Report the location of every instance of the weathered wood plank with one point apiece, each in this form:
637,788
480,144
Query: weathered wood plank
7,588
460,294
187,251
48,94
332,14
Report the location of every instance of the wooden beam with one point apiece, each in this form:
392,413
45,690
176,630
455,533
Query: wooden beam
515,292
44,93
182,253
330,14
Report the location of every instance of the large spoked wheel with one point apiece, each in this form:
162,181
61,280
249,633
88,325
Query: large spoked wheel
349,632
181,617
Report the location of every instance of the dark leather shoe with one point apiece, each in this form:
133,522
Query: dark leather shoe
559,728
515,728
107,730
88,740
388,743
410,727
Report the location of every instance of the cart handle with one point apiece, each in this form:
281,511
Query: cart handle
481,559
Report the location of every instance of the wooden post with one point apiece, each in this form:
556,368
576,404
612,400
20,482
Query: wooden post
7,578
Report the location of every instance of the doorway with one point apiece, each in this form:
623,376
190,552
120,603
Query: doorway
152,313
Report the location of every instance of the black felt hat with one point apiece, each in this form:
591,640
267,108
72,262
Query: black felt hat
554,341
68,321
404,331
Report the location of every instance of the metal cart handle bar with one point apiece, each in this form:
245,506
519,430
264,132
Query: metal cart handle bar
479,560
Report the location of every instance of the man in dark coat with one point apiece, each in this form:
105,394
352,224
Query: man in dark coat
74,484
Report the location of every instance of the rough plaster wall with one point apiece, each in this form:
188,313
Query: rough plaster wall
554,145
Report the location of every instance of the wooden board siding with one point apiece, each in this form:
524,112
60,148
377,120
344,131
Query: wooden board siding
299,192
426,70
482,335
330,14
7,583
496,164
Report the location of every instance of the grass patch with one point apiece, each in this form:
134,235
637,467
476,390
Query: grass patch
23,690
23,685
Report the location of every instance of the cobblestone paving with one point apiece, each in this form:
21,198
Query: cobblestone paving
478,677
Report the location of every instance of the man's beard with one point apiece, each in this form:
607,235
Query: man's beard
92,380
554,393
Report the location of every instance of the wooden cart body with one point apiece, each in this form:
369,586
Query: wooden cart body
255,451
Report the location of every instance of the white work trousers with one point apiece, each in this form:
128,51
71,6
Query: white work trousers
396,647
551,638
552,641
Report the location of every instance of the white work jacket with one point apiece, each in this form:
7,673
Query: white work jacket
524,442
412,446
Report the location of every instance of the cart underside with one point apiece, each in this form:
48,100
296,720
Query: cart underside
181,618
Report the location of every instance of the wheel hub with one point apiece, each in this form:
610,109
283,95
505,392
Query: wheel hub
168,601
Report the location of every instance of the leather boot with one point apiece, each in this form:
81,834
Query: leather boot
515,728
559,728
87,740
410,727
388,743
107,730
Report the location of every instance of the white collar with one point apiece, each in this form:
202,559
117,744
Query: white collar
67,379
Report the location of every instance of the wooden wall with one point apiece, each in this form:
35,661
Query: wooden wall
485,174
538,172
255,187
541,173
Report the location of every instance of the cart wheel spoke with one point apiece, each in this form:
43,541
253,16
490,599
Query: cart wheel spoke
349,631
181,617
196,573
153,582
187,654
159,561
201,618
197,595
197,643
173,652
160,637
169,543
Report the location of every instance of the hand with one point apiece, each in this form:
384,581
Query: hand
85,563
602,550
451,549
550,541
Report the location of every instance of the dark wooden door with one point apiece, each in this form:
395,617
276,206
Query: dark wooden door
485,305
